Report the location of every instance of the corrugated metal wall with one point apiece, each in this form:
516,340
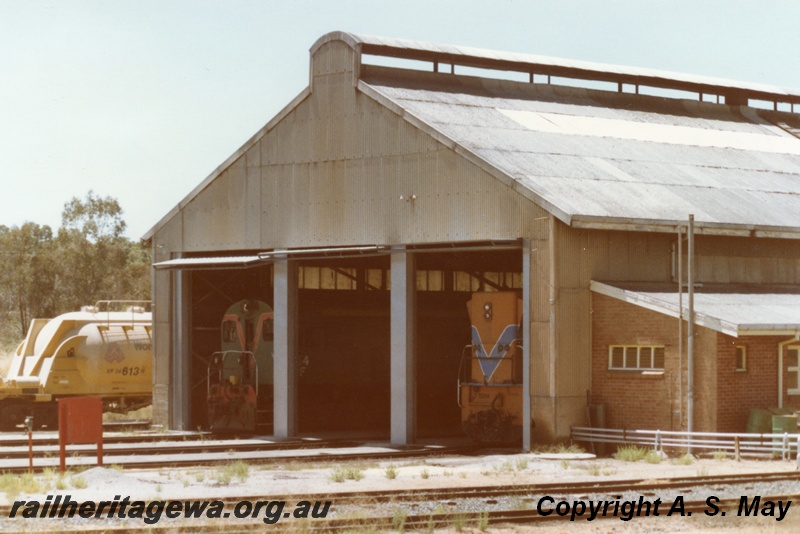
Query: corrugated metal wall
343,169
747,260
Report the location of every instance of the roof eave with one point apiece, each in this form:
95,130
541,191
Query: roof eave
665,308
701,319
147,237
593,222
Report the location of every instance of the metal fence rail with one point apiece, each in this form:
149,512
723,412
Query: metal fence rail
784,445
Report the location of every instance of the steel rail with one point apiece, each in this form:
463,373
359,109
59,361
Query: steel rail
434,520
168,447
498,517
146,460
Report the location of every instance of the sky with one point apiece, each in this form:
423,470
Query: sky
141,100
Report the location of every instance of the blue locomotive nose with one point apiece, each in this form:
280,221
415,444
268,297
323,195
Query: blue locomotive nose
490,361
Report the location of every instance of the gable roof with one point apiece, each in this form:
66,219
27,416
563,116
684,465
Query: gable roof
617,161
593,158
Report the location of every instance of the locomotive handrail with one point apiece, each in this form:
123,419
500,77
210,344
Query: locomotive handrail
133,306
460,373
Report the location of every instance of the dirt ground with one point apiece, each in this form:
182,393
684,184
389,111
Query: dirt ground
291,478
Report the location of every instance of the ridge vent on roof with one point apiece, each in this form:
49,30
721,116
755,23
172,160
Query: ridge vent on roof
446,58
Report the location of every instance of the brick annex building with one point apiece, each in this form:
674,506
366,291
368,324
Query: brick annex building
571,183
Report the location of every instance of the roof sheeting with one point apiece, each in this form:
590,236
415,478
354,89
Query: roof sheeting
734,310
522,62
595,158
591,162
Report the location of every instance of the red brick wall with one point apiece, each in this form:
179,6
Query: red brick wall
757,387
634,399
723,396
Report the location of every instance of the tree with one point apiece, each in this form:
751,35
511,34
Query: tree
27,272
94,256
97,219
90,259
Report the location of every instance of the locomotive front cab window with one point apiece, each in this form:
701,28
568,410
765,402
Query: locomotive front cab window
229,331
267,328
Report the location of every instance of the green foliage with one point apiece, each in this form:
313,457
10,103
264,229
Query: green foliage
43,274
399,519
459,522
13,484
28,271
96,261
391,472
342,473
631,453
230,471
653,457
483,521
96,218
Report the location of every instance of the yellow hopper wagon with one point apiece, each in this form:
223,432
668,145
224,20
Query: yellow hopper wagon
103,350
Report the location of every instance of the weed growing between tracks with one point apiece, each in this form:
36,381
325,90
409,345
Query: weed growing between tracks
225,475
341,473
15,484
558,448
632,453
391,472
399,519
720,455
596,469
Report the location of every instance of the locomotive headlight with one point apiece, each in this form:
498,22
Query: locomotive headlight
487,310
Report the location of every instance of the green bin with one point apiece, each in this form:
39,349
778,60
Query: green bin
783,424
759,421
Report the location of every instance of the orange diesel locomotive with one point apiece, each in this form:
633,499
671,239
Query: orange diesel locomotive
490,376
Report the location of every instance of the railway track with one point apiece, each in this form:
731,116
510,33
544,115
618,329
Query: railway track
203,453
458,518
529,517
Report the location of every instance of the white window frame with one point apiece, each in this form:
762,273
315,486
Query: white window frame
794,369
638,349
743,367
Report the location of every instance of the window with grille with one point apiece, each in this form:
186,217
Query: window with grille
636,357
